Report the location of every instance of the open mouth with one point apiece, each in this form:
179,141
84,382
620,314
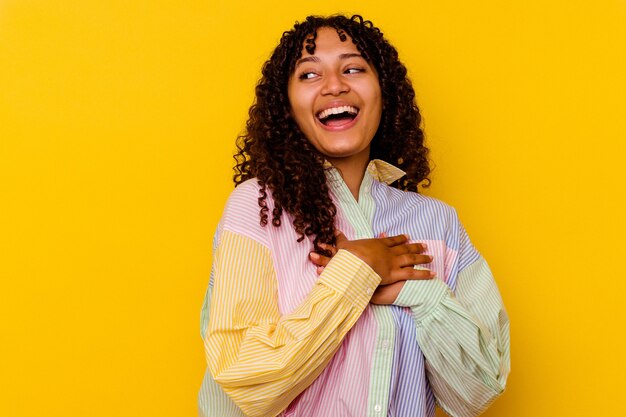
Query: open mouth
338,116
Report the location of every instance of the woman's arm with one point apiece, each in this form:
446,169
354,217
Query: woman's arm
261,359
464,335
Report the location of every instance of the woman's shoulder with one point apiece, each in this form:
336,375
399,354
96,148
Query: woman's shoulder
242,211
246,195
245,192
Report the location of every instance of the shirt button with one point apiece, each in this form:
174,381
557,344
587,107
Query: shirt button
378,408
385,344
369,291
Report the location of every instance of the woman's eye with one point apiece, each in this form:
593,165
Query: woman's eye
354,70
307,75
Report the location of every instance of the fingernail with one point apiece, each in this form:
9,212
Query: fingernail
433,273
425,246
430,257
314,255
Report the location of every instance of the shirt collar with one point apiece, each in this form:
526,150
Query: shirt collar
383,171
380,170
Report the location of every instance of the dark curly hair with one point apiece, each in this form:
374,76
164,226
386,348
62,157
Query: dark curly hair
275,151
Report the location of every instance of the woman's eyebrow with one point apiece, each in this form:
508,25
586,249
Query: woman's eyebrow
313,58
350,55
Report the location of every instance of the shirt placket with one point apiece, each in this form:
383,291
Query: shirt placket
360,215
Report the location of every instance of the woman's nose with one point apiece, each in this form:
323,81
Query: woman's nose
335,84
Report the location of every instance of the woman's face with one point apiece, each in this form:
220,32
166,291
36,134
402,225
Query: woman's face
335,99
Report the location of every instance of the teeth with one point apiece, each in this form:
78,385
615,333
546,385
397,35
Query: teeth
337,110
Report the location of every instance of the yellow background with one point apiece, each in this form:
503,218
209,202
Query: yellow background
117,126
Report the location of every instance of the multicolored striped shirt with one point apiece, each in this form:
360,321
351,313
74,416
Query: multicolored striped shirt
281,340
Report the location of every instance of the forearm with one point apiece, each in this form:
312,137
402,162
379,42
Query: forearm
464,338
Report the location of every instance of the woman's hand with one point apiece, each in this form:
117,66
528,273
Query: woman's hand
321,261
387,294
392,258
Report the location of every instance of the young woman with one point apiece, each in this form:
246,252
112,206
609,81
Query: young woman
337,289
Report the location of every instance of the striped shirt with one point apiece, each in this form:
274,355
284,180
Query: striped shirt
281,340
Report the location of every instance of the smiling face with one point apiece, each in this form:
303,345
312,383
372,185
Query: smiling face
335,99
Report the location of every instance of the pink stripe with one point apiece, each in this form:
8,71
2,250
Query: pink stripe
342,389
443,257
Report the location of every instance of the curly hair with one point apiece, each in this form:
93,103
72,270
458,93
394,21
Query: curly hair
273,149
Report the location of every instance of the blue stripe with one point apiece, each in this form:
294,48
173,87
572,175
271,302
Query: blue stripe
410,394
422,218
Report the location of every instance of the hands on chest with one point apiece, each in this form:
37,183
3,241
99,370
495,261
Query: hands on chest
392,258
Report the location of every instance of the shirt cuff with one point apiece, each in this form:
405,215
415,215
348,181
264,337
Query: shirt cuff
348,275
423,296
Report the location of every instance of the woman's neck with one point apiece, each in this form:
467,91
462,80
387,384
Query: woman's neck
352,171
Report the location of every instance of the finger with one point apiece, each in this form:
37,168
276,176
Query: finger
407,248
408,273
382,235
319,260
395,240
331,249
411,259
319,270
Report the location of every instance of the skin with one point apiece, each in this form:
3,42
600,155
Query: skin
394,259
337,75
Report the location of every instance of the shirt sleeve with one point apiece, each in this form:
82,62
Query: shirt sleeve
263,359
464,337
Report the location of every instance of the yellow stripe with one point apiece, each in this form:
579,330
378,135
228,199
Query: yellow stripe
264,360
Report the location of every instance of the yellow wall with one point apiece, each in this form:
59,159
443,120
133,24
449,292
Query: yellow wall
117,124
